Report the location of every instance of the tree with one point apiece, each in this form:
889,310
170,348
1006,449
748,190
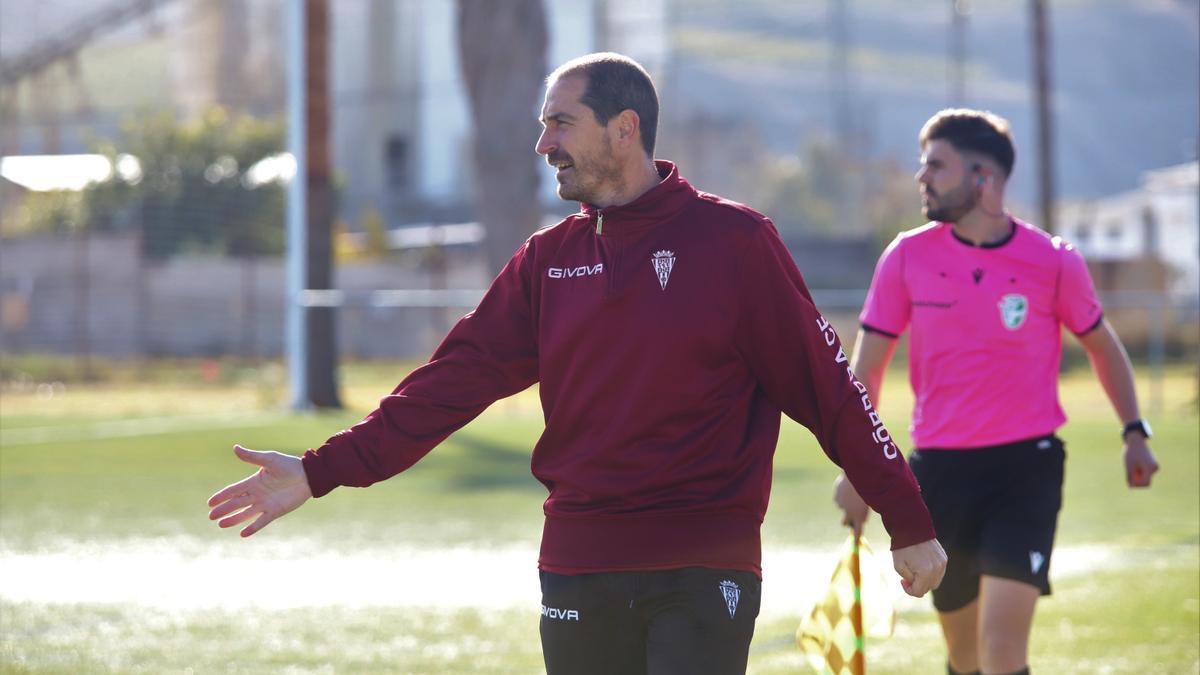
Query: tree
182,184
502,47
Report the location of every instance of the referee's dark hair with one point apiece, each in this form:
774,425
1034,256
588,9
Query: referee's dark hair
615,83
977,131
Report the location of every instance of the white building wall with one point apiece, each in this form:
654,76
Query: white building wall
572,33
374,81
1120,227
440,113
445,152
443,148
635,28
1179,239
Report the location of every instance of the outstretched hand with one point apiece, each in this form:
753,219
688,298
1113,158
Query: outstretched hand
277,488
920,566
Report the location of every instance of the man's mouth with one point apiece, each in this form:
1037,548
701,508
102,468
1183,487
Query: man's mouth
561,163
562,170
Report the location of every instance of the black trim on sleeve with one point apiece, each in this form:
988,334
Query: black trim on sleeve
872,329
1099,320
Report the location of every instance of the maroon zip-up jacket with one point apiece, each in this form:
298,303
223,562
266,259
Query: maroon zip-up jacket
667,334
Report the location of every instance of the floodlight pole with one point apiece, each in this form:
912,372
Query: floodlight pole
296,333
1042,93
957,68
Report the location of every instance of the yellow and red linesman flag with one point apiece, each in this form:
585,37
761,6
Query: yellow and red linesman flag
858,603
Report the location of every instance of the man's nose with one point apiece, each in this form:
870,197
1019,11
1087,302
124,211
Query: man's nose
545,145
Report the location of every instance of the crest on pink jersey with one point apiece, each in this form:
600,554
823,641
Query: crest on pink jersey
1014,308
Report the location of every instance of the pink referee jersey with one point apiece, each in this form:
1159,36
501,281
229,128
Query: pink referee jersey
985,341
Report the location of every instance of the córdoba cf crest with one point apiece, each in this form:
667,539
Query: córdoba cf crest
731,592
663,262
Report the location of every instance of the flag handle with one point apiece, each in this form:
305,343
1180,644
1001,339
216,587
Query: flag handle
858,661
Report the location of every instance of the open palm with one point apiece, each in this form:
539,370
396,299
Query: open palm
277,488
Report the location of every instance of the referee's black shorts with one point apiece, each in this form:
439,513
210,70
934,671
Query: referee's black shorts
995,510
688,621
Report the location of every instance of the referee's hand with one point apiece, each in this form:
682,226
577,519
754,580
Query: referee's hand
920,566
1140,464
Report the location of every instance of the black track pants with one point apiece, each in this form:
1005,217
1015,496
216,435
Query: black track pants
691,621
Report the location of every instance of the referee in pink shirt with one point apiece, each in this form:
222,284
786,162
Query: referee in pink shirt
983,296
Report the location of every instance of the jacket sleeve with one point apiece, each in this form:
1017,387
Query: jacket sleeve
799,362
490,353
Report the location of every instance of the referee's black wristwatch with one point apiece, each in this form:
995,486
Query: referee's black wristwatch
1140,426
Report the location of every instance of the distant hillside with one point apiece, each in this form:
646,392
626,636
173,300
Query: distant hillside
1126,73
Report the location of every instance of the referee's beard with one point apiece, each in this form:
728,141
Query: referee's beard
950,206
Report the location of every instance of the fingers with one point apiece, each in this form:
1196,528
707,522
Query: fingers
909,580
262,521
1140,464
919,584
1138,474
921,567
252,456
235,503
230,491
856,526
240,517
238,510
277,488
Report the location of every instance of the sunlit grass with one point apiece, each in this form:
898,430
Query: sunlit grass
1134,613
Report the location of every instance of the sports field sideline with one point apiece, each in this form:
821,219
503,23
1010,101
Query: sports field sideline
108,564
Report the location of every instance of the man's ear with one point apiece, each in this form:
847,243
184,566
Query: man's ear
628,126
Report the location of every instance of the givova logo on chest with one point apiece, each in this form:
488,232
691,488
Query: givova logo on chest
580,271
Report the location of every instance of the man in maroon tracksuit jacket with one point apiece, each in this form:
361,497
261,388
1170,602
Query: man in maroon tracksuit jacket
668,328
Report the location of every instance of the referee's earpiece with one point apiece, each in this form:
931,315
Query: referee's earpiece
979,177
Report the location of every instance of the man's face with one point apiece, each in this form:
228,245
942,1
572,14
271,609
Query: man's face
948,188
575,144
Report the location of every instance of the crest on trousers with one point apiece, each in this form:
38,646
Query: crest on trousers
664,262
731,592
1014,307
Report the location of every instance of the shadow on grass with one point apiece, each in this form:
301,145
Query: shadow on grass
487,465
797,474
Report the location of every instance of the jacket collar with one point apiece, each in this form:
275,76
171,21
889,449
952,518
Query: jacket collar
658,203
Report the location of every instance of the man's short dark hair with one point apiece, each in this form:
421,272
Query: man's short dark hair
615,83
976,131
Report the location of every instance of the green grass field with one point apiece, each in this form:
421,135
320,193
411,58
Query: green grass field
109,564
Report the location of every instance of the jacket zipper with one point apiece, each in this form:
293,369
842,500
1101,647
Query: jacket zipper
614,254
616,260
